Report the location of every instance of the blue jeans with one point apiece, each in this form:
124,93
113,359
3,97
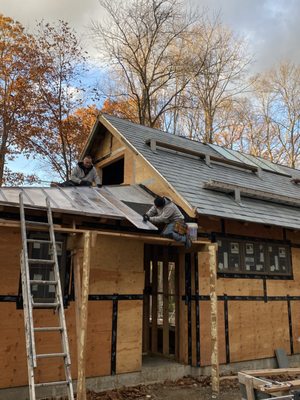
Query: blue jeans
169,232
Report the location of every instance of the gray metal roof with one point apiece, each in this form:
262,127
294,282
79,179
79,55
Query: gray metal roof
86,201
188,174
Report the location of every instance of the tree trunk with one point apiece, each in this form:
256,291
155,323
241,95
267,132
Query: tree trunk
208,127
4,136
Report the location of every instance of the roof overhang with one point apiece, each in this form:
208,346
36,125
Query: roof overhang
83,201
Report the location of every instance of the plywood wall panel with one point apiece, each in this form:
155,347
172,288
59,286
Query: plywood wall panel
295,311
256,329
129,336
117,266
13,351
10,249
99,338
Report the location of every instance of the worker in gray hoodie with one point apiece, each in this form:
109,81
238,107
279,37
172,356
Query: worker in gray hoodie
84,174
164,211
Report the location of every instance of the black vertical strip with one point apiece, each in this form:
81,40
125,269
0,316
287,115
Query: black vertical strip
19,302
114,335
223,229
284,236
290,325
226,329
197,310
188,291
265,290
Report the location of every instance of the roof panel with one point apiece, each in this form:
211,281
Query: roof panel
75,200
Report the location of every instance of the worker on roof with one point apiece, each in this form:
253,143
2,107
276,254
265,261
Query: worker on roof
164,211
84,174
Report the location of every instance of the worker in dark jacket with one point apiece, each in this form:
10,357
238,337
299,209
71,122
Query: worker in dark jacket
164,211
84,174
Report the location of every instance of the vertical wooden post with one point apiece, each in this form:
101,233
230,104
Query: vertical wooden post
154,302
177,309
146,303
165,302
78,297
182,325
81,392
212,248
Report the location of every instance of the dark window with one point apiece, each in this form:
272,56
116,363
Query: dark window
246,256
44,251
113,174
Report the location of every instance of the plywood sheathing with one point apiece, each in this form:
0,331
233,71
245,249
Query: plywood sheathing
253,230
124,258
252,332
117,267
129,336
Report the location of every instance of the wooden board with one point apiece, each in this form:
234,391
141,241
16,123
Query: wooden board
10,249
205,334
295,311
117,266
99,338
129,336
253,230
256,329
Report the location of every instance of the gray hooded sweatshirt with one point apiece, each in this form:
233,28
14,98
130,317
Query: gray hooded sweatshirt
79,174
167,214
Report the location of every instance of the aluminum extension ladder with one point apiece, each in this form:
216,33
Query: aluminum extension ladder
29,304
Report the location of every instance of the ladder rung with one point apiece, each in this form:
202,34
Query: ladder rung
39,282
45,305
39,261
38,241
48,329
51,355
28,222
52,383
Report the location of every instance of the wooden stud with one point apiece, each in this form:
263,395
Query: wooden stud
183,331
214,319
146,303
154,302
78,298
177,308
165,302
81,392
249,388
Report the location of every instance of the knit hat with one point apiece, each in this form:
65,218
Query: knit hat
159,201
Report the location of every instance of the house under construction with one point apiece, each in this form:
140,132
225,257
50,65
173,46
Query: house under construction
234,296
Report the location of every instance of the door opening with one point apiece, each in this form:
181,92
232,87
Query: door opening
161,301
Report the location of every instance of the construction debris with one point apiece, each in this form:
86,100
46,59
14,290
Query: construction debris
274,382
149,392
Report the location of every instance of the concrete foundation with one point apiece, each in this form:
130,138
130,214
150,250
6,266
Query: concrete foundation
154,370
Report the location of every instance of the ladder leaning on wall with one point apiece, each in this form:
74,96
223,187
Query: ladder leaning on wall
29,305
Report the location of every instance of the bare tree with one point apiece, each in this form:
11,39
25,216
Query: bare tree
278,103
145,43
222,77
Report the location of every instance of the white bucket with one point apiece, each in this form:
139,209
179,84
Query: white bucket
193,230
